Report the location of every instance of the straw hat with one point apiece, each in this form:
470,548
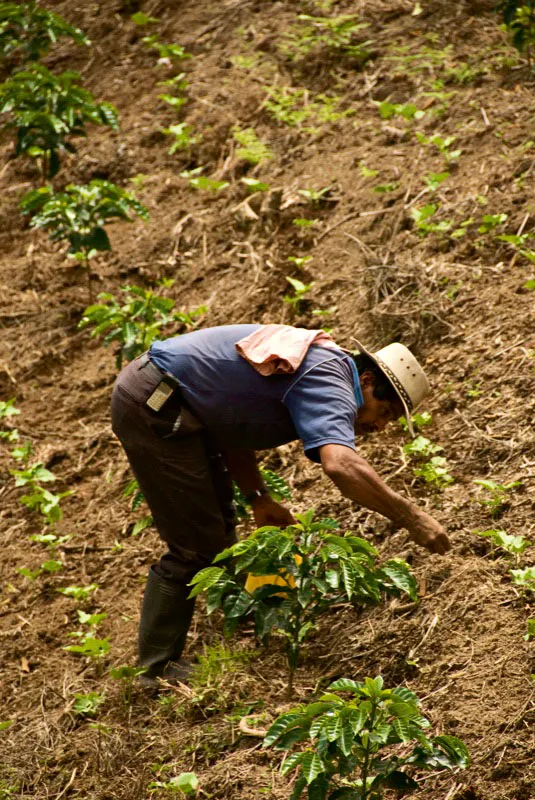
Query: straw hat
404,373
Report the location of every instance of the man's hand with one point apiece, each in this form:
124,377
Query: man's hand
267,511
429,533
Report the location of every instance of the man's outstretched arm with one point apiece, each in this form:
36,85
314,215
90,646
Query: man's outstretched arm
359,482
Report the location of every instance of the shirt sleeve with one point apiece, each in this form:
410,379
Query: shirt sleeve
322,405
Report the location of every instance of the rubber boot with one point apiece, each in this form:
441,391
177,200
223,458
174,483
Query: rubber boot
166,616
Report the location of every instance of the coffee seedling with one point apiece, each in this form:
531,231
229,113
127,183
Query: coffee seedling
167,53
49,567
254,185
93,649
29,30
186,783
184,136
513,545
317,568
406,110
47,111
296,301
435,471
357,748
421,217
7,408
519,19
23,451
78,593
419,420
525,578
208,184
127,675
518,244
87,705
497,501
78,215
140,19
328,37
421,447
442,144
50,540
491,221
137,322
530,634
294,106
435,179
251,148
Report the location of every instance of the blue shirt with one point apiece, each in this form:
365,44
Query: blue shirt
244,410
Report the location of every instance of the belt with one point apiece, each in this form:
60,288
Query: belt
144,362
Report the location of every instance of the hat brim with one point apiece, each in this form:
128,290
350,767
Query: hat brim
385,372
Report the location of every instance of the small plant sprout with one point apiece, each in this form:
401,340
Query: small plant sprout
300,261
366,172
497,498
78,215
524,578
203,183
297,108
78,593
303,222
49,567
167,53
435,472
422,219
36,473
185,136
127,675
140,19
316,197
530,634
47,111
519,19
7,408
435,179
491,221
251,149
301,289
442,144
419,420
253,185
93,649
518,243
135,323
316,568
421,447
514,545
326,37
383,188
186,783
29,30
50,540
23,451
406,110
87,705
357,748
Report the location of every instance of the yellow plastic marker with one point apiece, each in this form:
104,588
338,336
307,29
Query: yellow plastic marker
282,579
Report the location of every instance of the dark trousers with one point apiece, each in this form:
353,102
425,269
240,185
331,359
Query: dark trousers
179,469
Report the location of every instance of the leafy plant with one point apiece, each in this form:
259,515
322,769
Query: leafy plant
518,242
519,19
514,545
525,578
51,541
421,447
491,221
78,215
419,420
294,106
208,184
252,149
141,19
316,196
127,675
7,408
530,634
406,110
300,291
318,568
45,503
49,566
358,747
254,185
496,502
31,475
87,705
326,36
23,451
422,216
30,30
137,322
94,649
166,52
78,592
443,144
435,472
186,783
435,179
47,111
184,136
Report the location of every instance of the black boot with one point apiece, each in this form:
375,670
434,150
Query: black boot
166,615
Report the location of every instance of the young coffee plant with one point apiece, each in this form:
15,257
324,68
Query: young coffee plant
300,291
442,144
530,633
525,578
87,705
28,30
78,215
137,322
519,19
320,568
356,748
167,53
186,783
127,676
185,136
38,498
326,37
78,593
435,470
497,498
47,111
295,107
251,148
48,567
513,545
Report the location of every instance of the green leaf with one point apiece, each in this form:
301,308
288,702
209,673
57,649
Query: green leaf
398,572
280,726
311,765
186,782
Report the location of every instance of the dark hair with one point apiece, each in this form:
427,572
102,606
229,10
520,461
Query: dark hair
382,388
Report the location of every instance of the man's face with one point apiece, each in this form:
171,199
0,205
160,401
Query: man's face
375,414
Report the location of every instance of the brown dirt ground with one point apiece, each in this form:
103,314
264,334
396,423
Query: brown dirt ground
459,303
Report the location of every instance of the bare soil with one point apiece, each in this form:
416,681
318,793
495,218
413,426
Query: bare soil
460,303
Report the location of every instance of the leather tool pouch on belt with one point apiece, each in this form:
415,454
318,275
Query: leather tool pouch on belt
171,417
